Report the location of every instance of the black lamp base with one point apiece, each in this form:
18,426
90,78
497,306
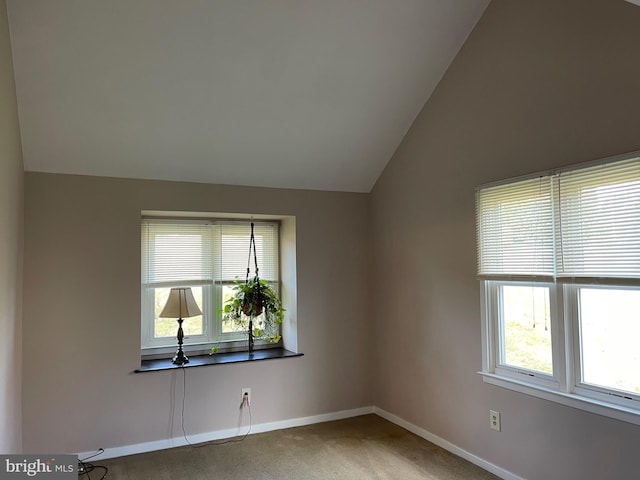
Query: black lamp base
180,358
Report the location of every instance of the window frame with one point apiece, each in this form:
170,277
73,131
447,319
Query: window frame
580,386
151,347
566,385
158,345
568,390
492,293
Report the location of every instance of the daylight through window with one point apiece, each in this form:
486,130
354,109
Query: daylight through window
208,256
559,265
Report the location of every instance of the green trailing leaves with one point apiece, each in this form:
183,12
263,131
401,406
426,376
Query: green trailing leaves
257,301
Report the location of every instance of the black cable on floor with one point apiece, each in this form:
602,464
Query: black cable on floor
85,468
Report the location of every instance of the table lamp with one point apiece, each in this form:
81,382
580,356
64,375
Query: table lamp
180,305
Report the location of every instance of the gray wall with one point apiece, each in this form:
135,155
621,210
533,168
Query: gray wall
82,315
11,213
538,84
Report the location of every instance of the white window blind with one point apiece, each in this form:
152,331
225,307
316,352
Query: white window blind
232,245
580,223
598,223
515,229
176,253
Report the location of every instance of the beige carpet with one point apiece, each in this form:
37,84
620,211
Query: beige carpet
366,447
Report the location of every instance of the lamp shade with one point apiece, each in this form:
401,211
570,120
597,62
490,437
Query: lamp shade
180,304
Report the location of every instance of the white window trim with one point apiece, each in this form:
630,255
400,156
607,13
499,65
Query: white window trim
212,335
155,344
565,386
592,405
493,364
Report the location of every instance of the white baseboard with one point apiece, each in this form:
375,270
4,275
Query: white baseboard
298,422
441,442
222,434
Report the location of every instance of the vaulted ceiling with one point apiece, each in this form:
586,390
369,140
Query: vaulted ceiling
313,94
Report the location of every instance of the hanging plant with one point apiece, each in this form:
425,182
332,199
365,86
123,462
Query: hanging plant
255,301
254,305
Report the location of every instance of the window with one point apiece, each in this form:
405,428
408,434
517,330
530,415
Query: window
208,256
559,266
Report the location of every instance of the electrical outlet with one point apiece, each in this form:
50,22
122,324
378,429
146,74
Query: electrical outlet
494,420
245,391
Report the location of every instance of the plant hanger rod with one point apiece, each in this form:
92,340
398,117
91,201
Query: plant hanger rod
252,245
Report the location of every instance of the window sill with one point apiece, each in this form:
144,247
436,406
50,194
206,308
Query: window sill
216,359
581,402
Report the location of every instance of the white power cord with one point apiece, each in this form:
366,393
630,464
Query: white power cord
244,404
